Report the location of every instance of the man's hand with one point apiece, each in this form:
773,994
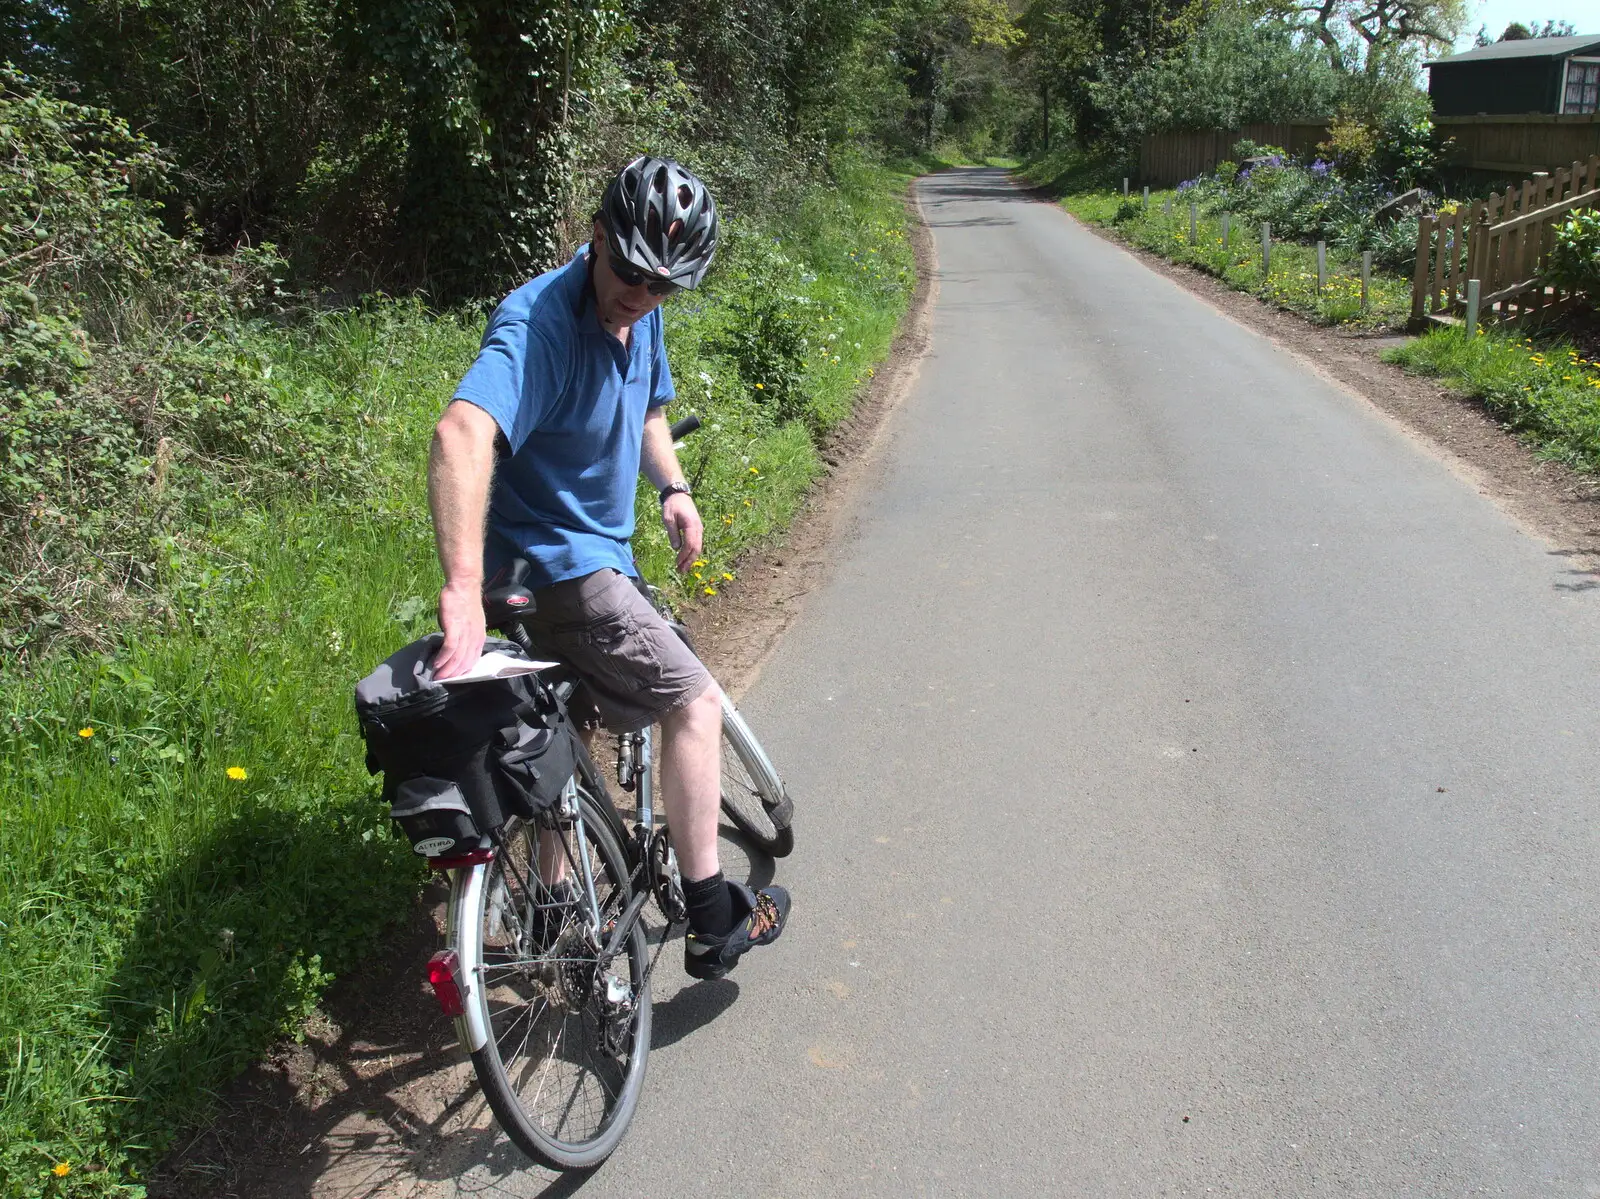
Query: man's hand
684,529
461,618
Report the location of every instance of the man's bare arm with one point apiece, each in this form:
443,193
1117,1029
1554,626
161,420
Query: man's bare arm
460,467
659,461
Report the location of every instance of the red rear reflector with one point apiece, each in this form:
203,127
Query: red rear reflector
471,858
445,979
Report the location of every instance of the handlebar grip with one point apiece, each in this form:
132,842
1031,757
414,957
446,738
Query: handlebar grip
682,428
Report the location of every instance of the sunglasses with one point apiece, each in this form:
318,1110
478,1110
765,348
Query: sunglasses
631,276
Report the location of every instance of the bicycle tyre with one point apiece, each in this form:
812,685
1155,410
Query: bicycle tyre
573,1117
753,795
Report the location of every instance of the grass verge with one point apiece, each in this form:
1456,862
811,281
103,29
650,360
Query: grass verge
191,849
1087,190
1546,393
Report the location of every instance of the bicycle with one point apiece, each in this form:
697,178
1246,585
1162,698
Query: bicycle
545,968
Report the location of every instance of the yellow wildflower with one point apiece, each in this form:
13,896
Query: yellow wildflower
86,732
754,471
726,577
710,590
698,562
61,1169
761,386
238,773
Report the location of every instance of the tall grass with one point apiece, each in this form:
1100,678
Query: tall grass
190,847
1547,392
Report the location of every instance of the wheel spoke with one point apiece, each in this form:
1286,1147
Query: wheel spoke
548,1073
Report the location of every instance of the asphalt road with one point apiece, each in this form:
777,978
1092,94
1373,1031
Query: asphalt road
1196,792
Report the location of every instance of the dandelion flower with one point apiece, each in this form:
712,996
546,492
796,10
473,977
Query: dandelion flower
710,590
61,1169
699,562
761,386
726,577
727,520
754,471
238,773
86,732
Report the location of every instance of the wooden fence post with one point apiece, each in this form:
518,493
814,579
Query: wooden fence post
1147,201
1225,232
1322,266
1166,209
1194,224
1266,251
1366,276
1419,275
1125,186
1473,294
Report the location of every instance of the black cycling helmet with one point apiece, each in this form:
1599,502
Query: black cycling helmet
657,214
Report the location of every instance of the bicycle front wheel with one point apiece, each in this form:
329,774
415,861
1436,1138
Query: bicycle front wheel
752,794
562,1062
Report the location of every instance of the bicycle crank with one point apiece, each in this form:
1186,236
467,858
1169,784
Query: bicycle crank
665,880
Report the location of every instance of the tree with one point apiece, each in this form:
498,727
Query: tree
1361,34
1518,32
1072,44
1235,70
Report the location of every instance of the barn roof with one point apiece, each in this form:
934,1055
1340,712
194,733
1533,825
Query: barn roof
1532,47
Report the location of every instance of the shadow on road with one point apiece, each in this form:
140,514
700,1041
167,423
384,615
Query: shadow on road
377,1102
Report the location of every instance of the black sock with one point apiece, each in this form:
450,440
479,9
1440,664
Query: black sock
710,905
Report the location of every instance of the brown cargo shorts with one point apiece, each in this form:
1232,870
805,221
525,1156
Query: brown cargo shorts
635,669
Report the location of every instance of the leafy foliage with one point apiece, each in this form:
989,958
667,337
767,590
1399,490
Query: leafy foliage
1235,71
1309,202
1574,260
128,402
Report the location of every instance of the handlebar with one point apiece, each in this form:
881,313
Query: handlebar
682,428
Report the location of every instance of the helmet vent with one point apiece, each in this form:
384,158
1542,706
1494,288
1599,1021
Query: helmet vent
661,219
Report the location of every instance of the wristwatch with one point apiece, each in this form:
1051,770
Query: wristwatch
678,488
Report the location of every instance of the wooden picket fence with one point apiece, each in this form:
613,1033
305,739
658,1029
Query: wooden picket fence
1501,242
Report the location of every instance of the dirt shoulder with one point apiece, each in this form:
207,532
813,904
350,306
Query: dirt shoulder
374,1101
1551,501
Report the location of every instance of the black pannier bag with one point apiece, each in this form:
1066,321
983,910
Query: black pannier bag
459,760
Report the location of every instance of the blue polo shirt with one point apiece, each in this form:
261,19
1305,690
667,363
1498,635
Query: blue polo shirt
571,401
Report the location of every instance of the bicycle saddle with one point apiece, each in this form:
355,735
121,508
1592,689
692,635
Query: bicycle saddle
507,596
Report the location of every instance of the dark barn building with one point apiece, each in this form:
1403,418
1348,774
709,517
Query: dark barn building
1554,75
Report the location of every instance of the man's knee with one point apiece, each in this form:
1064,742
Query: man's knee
702,712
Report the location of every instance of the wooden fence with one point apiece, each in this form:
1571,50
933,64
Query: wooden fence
1520,145
1501,242
1167,159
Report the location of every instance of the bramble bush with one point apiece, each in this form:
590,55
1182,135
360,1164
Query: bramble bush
131,399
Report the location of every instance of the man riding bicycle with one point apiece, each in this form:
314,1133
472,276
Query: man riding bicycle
536,456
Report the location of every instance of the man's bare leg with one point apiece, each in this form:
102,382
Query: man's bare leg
691,781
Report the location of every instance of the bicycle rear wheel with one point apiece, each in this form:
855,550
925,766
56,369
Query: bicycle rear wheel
563,1062
752,794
